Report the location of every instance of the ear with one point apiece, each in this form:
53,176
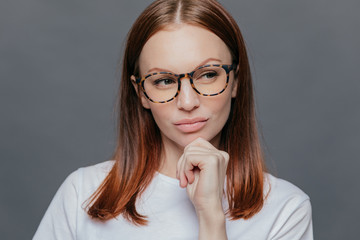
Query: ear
144,101
234,88
235,83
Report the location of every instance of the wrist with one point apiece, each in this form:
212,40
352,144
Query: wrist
212,224
211,217
210,212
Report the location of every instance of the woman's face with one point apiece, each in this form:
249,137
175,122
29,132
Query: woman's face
181,48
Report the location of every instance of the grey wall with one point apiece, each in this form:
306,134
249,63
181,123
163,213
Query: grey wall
58,85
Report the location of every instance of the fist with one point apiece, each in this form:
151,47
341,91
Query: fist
202,170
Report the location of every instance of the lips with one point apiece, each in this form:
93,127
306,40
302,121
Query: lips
191,125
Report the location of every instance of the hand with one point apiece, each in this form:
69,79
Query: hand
202,170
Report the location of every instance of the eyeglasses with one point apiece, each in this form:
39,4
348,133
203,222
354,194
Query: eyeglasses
207,80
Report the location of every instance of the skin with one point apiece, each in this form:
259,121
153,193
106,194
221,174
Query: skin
192,157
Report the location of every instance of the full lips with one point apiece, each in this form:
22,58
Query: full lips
191,126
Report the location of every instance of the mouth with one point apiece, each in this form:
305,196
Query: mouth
191,125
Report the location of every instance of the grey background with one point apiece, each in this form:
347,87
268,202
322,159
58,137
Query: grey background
57,90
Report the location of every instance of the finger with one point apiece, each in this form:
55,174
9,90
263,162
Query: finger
183,179
225,156
191,161
189,166
201,143
199,149
189,173
180,172
178,165
183,176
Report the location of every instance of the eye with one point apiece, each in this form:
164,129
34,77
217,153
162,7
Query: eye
209,74
164,82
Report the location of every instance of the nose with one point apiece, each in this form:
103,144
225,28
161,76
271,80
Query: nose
187,99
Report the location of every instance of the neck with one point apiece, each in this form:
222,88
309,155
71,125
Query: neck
171,155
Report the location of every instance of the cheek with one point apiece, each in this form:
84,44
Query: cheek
161,113
220,107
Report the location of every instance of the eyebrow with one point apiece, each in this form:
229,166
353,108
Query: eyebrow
156,69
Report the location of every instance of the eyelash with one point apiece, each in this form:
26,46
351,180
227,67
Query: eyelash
158,81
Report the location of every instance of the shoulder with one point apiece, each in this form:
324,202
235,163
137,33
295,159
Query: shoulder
66,208
285,196
93,173
89,178
85,180
96,172
282,190
290,207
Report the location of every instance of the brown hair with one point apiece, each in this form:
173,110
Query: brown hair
139,146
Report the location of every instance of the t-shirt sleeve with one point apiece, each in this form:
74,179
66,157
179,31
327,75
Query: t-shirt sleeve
59,221
296,224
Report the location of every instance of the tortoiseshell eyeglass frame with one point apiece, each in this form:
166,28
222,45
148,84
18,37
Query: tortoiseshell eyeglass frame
226,67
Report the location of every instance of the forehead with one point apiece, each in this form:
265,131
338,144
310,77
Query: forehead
181,47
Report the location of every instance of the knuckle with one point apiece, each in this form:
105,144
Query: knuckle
189,148
225,155
213,160
190,157
186,148
187,159
187,156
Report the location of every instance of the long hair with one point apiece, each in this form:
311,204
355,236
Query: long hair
139,145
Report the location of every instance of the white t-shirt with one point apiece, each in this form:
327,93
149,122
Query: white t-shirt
286,213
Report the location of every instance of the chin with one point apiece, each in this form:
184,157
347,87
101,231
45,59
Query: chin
190,137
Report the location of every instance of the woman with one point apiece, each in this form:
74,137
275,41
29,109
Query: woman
188,163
